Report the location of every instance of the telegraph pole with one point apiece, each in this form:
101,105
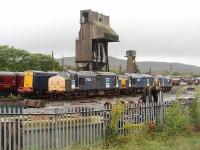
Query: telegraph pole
63,63
120,69
52,57
150,70
171,68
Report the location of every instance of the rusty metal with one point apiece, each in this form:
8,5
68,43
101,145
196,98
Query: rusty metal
92,45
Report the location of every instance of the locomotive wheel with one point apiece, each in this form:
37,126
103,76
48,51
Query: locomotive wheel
68,96
109,93
80,94
117,92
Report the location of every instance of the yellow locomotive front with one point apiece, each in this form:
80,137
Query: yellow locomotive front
59,84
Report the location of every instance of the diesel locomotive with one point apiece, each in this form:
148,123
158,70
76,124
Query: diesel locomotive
70,84
77,84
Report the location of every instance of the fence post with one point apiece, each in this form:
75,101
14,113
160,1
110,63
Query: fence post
56,128
161,106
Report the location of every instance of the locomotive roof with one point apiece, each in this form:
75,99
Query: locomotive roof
42,72
147,75
176,79
137,75
37,71
61,76
7,73
123,76
86,73
134,75
79,73
90,73
159,76
71,71
19,73
106,73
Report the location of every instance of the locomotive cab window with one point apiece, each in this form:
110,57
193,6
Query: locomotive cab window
162,82
107,82
76,80
81,81
148,82
134,81
88,79
169,81
115,80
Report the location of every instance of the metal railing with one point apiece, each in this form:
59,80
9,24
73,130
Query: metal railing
58,129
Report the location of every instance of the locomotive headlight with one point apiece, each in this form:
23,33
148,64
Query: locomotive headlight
129,83
117,85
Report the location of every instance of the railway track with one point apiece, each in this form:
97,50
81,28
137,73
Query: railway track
80,101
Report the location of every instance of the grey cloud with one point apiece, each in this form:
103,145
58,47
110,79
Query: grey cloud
170,33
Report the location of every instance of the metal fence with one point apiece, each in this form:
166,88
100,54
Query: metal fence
58,129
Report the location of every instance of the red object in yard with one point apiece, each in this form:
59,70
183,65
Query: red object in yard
150,126
19,80
7,81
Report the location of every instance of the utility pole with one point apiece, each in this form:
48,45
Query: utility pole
52,57
63,63
150,70
171,68
120,69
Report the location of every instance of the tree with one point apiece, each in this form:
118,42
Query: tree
12,59
136,68
43,62
177,74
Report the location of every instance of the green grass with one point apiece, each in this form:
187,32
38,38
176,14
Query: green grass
181,142
176,133
191,142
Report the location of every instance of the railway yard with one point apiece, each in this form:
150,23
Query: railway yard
54,109
96,101
91,82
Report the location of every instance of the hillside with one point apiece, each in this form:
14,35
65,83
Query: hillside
144,65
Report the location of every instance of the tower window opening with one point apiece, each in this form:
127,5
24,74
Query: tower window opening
85,17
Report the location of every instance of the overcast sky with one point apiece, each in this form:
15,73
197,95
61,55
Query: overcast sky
159,30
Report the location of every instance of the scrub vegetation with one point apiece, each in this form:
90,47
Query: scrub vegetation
13,59
178,130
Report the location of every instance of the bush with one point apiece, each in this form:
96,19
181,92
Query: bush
116,112
175,120
112,134
194,112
